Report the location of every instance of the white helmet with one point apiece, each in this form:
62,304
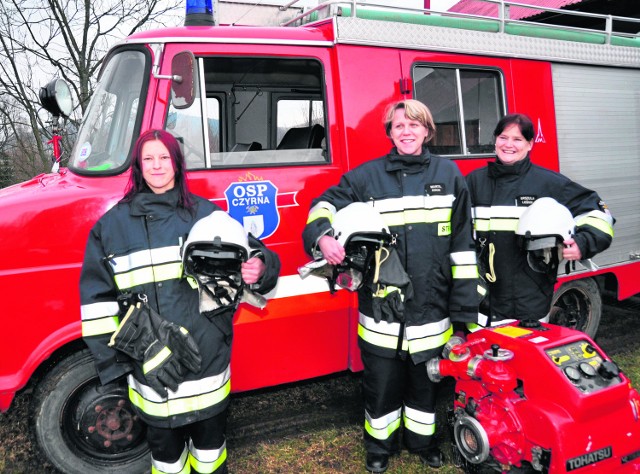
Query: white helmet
361,231
213,254
543,227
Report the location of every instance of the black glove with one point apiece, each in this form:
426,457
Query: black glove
165,350
388,306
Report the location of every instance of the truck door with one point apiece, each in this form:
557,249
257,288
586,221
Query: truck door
269,149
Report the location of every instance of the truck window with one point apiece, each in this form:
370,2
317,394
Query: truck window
105,138
466,105
259,111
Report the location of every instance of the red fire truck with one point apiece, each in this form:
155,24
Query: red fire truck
269,117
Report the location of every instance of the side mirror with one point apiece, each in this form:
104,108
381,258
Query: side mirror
182,84
55,97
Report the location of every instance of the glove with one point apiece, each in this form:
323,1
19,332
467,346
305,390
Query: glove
388,305
392,287
166,351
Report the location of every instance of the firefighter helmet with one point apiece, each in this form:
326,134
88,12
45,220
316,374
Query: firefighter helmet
212,255
543,227
361,231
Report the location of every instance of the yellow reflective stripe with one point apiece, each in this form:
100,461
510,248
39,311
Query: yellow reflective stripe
386,291
385,431
96,327
146,275
181,466
417,216
377,339
173,407
597,223
482,290
473,327
421,423
430,342
193,283
464,271
506,225
157,360
319,213
204,466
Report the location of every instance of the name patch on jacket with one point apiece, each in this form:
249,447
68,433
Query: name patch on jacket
523,201
435,189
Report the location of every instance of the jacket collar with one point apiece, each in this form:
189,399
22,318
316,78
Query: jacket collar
408,163
497,169
146,203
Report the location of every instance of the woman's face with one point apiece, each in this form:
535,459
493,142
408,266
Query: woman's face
407,135
511,146
157,166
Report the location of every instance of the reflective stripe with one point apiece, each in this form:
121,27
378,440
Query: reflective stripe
368,323
96,327
207,461
413,202
181,466
423,338
420,422
99,310
383,427
157,360
465,271
500,225
322,209
467,257
496,218
605,216
380,340
145,258
192,395
597,223
146,275
417,216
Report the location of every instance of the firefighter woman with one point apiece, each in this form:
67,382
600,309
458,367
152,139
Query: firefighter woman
500,193
141,318
423,199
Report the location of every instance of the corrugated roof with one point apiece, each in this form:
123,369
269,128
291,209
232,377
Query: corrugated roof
476,7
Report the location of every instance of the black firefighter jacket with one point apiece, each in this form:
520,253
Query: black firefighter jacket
499,194
135,248
425,203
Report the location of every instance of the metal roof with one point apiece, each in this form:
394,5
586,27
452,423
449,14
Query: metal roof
476,7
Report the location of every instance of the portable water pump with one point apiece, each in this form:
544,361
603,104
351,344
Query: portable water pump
533,397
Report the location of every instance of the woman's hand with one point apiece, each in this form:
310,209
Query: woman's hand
571,251
331,249
252,270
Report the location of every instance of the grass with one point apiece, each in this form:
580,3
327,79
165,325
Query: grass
341,451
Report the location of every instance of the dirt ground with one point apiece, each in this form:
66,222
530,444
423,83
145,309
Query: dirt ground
282,411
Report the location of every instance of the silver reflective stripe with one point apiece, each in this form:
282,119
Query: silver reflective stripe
383,327
207,460
99,310
429,329
172,467
498,212
420,422
463,258
383,421
413,202
144,258
186,389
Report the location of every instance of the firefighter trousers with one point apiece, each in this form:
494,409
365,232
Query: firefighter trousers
397,393
197,448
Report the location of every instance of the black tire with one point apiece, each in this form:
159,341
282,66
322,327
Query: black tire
81,426
577,304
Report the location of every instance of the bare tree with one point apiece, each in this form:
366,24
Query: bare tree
60,38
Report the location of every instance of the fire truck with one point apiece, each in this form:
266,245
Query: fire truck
269,117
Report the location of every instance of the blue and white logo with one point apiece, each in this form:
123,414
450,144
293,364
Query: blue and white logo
253,204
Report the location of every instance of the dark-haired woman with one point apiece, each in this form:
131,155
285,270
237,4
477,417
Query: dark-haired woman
134,249
500,192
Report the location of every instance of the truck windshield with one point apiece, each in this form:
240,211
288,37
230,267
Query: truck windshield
105,137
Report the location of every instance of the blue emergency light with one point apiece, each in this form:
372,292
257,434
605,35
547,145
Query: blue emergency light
199,13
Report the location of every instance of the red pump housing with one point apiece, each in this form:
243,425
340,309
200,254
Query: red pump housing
535,397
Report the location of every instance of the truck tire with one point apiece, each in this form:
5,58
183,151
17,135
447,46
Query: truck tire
81,426
577,304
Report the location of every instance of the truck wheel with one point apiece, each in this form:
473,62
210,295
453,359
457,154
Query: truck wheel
577,304
82,426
